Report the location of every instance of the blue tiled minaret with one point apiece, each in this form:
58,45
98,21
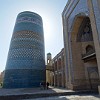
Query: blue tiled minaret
25,67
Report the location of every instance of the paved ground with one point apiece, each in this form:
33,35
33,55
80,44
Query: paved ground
32,91
72,97
37,91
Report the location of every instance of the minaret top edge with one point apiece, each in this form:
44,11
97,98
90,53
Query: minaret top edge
29,12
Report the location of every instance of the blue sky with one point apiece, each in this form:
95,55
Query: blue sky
49,10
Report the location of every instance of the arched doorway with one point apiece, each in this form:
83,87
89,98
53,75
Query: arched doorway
60,79
83,54
93,77
55,73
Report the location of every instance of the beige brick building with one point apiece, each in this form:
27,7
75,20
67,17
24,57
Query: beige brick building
1,76
55,70
81,29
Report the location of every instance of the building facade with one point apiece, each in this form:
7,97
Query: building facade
56,72
81,30
49,69
25,65
1,77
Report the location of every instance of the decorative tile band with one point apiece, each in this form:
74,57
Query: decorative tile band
29,19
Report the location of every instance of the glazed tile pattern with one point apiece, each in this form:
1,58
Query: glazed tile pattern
26,60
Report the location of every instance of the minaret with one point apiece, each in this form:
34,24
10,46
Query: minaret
25,67
48,67
49,59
